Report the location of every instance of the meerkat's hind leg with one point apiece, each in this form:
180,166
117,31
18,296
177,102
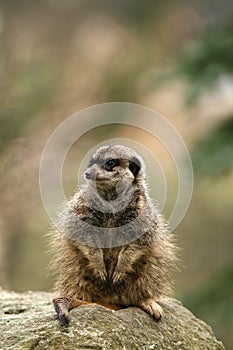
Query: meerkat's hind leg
152,308
63,305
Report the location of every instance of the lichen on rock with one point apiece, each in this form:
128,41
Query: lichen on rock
28,321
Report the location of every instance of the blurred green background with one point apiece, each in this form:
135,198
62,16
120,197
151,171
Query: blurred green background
58,57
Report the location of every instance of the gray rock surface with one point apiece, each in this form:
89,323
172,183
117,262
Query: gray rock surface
28,321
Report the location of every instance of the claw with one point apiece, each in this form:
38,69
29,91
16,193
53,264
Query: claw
103,275
116,277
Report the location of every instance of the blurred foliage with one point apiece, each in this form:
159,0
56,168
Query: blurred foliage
214,154
29,90
214,303
206,59
202,64
133,10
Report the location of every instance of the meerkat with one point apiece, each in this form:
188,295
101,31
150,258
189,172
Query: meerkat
112,246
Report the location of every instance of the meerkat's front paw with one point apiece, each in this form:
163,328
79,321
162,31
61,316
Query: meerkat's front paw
100,272
102,275
120,272
152,308
118,275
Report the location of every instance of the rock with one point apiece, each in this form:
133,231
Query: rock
28,321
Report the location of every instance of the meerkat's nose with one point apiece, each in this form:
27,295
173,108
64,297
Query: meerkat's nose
88,175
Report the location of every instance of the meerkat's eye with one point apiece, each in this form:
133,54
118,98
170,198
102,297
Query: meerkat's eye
111,163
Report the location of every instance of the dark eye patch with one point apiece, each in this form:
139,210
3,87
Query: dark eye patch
134,166
111,163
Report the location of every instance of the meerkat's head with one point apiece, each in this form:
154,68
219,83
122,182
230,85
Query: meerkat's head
115,167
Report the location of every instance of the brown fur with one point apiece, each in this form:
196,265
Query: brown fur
135,274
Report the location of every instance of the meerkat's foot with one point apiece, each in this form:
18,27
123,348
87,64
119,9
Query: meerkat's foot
63,305
152,308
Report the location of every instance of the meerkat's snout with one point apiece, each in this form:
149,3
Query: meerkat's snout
90,174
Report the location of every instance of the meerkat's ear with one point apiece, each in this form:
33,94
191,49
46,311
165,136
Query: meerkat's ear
134,166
